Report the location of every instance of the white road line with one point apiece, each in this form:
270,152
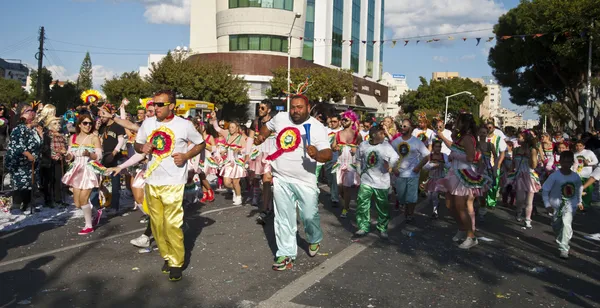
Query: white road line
50,252
284,296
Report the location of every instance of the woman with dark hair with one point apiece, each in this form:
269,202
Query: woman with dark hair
524,180
84,147
463,182
22,155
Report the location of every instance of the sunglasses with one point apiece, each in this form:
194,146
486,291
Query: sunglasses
161,104
263,108
86,123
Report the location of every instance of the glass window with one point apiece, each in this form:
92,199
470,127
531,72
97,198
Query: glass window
233,4
338,26
265,43
270,4
267,4
288,5
284,45
307,52
255,3
278,4
243,3
254,42
242,42
233,43
276,43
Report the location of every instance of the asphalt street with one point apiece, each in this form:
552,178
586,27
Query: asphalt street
229,261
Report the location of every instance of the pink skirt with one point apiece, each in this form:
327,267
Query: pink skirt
139,181
260,165
463,183
432,184
233,170
81,176
524,181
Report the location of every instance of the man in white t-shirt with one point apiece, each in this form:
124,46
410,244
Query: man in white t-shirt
334,127
411,151
423,132
497,140
167,177
585,162
301,143
438,125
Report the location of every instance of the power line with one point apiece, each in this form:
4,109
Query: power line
101,47
101,53
18,46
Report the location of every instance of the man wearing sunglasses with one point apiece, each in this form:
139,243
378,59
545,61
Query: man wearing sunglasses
345,144
335,125
496,138
165,184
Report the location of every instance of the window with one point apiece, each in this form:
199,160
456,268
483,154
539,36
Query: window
355,49
370,36
269,4
338,30
258,42
309,31
381,40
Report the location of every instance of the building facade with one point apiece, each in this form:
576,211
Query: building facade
491,105
144,71
397,86
15,71
252,35
444,75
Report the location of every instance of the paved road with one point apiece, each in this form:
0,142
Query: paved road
230,259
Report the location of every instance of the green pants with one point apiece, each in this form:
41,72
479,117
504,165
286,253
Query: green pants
589,192
491,198
363,208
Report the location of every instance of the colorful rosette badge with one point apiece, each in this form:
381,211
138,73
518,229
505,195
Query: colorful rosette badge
163,140
568,190
287,141
90,96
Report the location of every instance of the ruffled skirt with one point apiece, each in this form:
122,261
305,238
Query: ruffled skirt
260,165
524,181
234,170
139,181
463,182
81,176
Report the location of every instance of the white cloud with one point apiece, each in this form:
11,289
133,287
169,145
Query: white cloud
60,73
167,11
440,59
427,17
99,74
468,57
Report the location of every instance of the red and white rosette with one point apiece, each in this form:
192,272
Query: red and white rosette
163,140
288,140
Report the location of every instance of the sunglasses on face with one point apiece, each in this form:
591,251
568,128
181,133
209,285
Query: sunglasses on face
86,123
263,108
161,104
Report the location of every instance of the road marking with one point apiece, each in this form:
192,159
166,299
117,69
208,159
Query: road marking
35,256
284,296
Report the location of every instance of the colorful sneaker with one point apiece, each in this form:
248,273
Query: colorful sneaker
86,231
283,263
175,274
313,249
468,243
210,196
204,197
166,268
344,213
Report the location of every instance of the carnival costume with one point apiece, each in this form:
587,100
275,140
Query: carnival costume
234,166
462,178
500,146
523,178
345,167
259,153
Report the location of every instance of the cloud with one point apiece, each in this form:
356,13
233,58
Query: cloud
99,74
421,17
167,11
440,59
468,57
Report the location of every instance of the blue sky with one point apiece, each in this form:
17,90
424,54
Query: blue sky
128,30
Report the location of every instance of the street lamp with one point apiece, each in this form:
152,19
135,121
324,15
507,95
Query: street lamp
289,52
447,99
183,52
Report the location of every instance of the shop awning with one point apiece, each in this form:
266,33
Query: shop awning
369,101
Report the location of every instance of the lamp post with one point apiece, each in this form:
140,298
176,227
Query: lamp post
183,52
448,99
289,52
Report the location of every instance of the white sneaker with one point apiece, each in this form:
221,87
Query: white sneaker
460,235
237,200
528,224
468,243
564,254
142,242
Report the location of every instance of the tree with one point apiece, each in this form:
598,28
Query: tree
207,81
65,97
84,80
548,68
326,84
432,97
46,81
11,92
129,85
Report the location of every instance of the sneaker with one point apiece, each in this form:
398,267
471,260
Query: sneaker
166,268
313,249
564,254
263,216
460,235
210,196
204,197
283,263
143,241
528,224
519,218
145,219
468,243
344,213
359,233
86,231
434,215
175,274
383,235
237,200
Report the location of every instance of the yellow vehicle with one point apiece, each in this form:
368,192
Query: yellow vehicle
191,108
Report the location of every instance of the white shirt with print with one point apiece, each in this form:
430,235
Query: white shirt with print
579,167
372,160
411,152
448,135
556,185
428,133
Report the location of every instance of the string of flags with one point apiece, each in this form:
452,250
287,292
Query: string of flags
394,42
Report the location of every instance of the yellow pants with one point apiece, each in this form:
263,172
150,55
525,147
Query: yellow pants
166,218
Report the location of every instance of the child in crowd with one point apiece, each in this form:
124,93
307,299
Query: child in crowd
437,164
508,194
586,161
562,195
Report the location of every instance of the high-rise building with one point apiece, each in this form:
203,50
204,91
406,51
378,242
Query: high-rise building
252,35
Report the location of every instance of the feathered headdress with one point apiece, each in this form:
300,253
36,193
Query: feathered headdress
422,116
300,90
144,102
90,96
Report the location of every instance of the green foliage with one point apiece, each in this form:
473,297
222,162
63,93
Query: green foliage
207,81
551,68
129,85
11,92
558,115
46,81
327,84
431,97
65,97
84,80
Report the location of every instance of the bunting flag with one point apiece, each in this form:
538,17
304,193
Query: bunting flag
364,42
451,38
406,42
418,42
506,37
491,38
464,39
394,44
478,41
351,41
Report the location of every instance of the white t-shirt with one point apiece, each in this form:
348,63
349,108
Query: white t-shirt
331,137
372,160
448,135
297,166
364,134
417,132
498,132
596,174
579,167
167,173
557,184
411,152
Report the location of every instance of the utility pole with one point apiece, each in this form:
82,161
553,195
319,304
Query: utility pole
588,97
40,57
